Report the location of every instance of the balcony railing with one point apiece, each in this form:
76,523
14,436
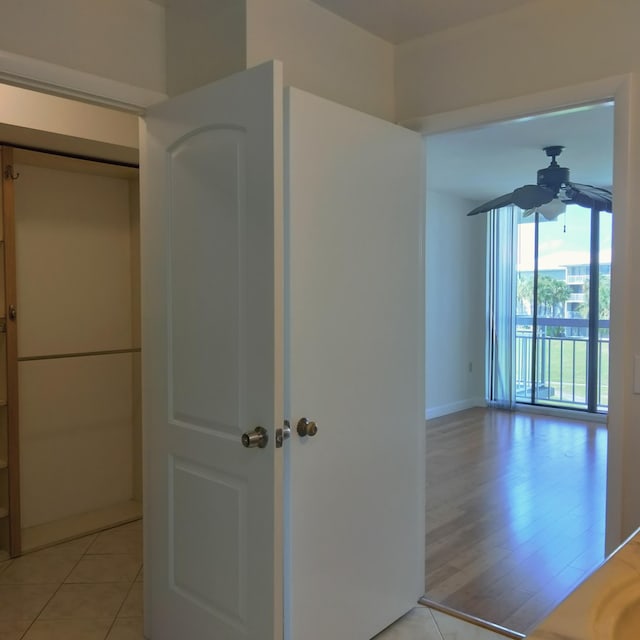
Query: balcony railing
561,362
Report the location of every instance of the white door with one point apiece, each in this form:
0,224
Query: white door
355,490
216,249
211,172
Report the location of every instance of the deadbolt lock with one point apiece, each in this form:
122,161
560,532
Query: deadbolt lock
283,434
306,428
256,438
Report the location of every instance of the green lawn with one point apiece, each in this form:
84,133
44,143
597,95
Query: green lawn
566,361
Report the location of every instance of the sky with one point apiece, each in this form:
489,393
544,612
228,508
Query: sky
564,240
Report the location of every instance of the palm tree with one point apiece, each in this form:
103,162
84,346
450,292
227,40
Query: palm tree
525,294
552,294
604,296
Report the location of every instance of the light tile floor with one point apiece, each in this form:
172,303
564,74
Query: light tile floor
422,623
87,589
91,589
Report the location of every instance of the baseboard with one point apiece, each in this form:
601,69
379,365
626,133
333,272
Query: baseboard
50,533
461,405
582,416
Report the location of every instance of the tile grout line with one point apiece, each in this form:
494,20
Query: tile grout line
131,586
115,619
44,606
5,565
87,553
435,622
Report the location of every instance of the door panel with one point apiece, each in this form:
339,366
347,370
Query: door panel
355,490
208,218
212,359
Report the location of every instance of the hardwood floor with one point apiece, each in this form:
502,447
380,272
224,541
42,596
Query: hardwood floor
516,512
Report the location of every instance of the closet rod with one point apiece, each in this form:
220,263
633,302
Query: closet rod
57,356
68,154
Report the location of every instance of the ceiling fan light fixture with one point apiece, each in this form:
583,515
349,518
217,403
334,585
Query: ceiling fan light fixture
549,210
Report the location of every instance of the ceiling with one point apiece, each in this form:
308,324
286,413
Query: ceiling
486,162
483,163
400,20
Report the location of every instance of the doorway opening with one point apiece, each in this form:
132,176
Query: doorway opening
70,437
490,449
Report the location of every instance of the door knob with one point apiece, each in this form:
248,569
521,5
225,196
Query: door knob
306,428
256,438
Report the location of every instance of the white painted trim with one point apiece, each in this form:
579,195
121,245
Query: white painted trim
454,407
622,89
621,342
520,107
582,416
31,73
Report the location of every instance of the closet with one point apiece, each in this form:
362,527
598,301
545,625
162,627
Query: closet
70,442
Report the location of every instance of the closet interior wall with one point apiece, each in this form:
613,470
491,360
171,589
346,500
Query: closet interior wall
78,341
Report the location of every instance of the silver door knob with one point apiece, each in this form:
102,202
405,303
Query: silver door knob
256,438
306,428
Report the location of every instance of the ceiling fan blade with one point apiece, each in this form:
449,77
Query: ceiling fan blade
588,196
496,203
531,196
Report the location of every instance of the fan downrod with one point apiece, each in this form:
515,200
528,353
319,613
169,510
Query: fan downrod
554,176
553,152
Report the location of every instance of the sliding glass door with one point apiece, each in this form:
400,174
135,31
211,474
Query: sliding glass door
562,309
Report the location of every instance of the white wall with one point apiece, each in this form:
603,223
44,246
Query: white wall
323,54
142,45
205,41
122,40
455,305
534,47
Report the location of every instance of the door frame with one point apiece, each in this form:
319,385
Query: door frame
49,78
622,514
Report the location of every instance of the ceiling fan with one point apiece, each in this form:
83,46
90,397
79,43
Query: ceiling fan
552,193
